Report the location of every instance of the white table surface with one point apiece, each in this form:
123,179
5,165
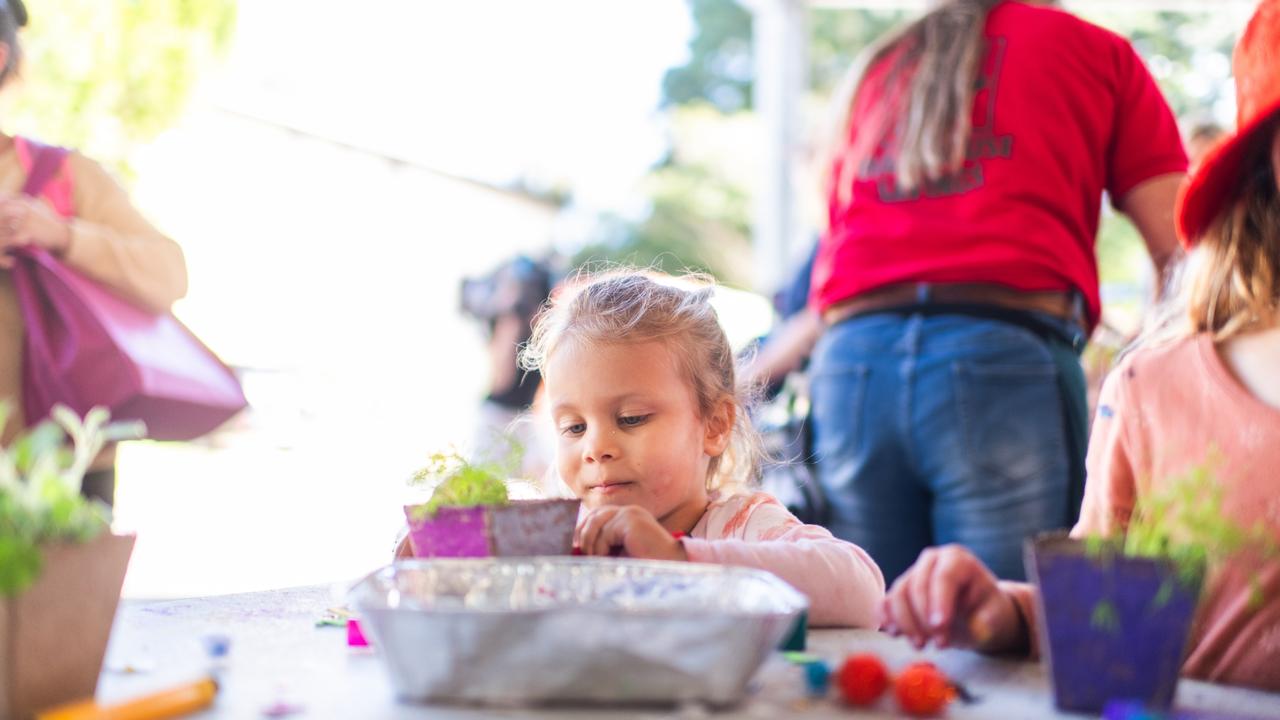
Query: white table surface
278,655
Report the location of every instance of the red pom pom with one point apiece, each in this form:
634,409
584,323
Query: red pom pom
922,689
862,679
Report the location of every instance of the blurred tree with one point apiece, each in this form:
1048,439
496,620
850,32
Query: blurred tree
697,216
719,69
105,76
1189,54
699,213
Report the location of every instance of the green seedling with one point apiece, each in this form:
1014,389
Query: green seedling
1183,522
40,478
459,483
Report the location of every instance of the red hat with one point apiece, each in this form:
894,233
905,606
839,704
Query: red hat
1256,67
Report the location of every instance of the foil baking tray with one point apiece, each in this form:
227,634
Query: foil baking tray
513,631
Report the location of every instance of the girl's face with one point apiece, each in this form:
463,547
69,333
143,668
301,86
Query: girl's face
629,429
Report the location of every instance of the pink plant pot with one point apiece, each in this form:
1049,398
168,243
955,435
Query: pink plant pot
521,529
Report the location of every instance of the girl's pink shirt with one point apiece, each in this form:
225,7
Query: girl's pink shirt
1163,411
842,582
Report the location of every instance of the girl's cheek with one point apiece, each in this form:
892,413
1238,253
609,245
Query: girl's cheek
568,474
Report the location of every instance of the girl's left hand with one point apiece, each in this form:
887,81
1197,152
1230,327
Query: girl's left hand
26,221
630,527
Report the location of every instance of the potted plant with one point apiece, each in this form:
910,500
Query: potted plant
61,568
471,514
1117,612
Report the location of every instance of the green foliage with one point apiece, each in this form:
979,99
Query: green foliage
459,483
720,65
103,76
837,36
720,68
697,222
700,206
1187,53
1182,521
40,500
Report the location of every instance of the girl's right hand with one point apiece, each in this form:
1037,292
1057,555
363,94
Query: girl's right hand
950,598
629,527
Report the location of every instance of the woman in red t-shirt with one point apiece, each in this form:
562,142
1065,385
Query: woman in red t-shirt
958,277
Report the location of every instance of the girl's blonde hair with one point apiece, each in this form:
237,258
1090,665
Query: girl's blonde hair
1230,282
634,306
928,99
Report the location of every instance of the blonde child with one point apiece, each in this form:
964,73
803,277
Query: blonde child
653,437
1210,390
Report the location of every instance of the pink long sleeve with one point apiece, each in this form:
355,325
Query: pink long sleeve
842,582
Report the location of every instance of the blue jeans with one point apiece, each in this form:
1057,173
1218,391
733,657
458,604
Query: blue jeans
933,429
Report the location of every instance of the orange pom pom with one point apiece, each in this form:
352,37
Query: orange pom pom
922,689
862,679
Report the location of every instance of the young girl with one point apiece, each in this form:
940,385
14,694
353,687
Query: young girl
1212,391
653,437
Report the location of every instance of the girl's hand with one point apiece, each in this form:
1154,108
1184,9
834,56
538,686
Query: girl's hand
950,598
27,221
631,528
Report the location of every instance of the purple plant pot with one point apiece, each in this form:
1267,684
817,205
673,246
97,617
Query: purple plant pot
522,528
1113,628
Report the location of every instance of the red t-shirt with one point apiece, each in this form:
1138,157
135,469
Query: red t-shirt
1064,110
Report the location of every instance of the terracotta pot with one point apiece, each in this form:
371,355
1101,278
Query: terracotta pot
521,528
1112,627
53,636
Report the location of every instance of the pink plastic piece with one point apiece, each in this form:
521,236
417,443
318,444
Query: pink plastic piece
355,636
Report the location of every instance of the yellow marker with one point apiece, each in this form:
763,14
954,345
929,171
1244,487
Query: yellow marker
174,702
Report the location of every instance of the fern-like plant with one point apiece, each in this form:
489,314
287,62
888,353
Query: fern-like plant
460,483
1183,522
40,478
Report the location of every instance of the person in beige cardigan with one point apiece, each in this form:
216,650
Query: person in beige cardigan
98,232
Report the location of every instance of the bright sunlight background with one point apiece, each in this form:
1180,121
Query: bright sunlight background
331,184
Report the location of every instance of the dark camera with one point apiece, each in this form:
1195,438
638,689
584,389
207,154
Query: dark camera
516,287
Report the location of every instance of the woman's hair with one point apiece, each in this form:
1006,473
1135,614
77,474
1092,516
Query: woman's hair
928,92
1230,282
633,306
1234,283
13,15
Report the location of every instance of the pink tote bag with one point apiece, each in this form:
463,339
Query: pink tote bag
84,346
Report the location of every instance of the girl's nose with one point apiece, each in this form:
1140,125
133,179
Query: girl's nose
600,447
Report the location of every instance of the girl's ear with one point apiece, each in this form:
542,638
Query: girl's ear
719,428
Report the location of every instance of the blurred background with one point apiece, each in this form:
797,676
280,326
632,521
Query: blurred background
333,171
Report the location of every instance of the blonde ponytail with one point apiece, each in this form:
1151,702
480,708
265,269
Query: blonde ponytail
928,96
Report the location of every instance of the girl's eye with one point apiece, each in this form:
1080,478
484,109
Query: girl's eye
574,429
632,420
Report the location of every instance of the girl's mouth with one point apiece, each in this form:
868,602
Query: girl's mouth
610,488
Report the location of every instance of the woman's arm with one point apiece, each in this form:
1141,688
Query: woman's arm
114,244
1150,206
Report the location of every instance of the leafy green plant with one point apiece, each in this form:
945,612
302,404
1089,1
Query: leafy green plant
1183,522
40,500
459,483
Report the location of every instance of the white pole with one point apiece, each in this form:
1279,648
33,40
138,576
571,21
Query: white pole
781,45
